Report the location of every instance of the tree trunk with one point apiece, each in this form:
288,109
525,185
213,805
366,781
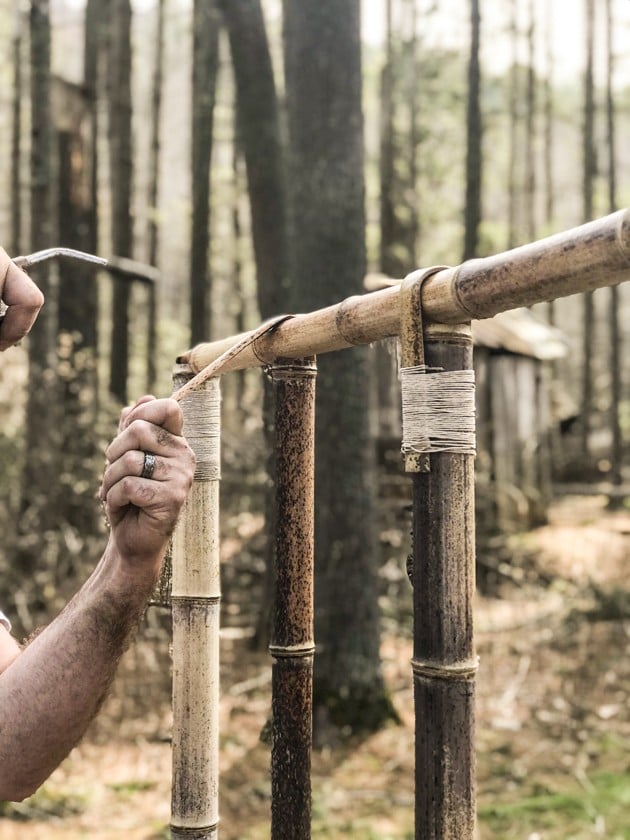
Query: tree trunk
549,135
530,127
387,198
205,67
41,468
414,136
259,138
93,55
323,81
514,93
16,137
474,129
589,172
154,151
549,116
153,193
78,311
121,175
240,321
259,135
616,455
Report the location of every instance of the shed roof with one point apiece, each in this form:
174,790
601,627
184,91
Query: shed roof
519,331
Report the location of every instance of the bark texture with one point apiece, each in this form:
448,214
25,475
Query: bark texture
121,176
474,130
205,66
327,223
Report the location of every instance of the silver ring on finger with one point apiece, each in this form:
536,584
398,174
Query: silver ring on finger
148,465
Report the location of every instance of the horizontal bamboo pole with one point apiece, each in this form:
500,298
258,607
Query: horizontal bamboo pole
582,259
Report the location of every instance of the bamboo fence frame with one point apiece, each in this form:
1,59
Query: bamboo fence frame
430,311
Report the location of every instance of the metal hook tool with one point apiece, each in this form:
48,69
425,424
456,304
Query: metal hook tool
28,260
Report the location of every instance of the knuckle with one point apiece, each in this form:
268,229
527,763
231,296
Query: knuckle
36,298
127,483
130,462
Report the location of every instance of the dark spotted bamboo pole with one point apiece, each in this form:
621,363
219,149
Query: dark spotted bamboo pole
292,646
196,597
582,259
443,576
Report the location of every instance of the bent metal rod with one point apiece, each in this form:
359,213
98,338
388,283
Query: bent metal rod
26,261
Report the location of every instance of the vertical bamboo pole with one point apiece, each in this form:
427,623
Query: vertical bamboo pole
292,646
196,597
443,576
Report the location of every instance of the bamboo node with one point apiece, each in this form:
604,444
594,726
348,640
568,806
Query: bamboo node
291,651
463,670
348,325
438,411
196,600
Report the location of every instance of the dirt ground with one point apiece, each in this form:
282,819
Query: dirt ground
553,726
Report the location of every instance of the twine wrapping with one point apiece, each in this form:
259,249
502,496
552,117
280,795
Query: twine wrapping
202,428
438,410
445,671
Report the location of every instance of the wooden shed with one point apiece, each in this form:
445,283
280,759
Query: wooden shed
516,420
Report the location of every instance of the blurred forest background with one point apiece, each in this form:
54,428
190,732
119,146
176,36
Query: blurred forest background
236,160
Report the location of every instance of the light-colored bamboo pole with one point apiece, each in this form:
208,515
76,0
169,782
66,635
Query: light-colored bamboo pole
196,597
292,646
582,259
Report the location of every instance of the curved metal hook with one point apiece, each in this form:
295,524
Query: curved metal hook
50,253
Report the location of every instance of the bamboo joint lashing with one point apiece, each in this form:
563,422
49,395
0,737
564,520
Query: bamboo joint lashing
202,410
438,410
445,671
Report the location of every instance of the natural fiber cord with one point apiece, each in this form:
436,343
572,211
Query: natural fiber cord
202,410
438,410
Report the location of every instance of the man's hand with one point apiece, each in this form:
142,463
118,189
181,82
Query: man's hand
143,511
23,298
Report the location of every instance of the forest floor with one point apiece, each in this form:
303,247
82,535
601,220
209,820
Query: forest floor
553,725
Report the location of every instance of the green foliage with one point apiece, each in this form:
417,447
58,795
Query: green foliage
573,814
48,803
131,787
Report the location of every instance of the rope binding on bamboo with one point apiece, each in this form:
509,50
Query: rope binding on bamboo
438,410
202,410
445,671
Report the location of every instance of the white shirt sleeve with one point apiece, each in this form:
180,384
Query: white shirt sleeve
5,621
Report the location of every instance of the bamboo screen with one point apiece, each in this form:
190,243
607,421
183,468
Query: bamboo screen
430,312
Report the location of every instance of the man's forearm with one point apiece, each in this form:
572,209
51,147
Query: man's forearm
53,689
